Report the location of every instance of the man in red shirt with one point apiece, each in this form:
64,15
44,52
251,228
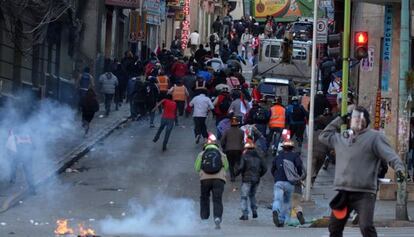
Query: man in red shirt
179,69
167,119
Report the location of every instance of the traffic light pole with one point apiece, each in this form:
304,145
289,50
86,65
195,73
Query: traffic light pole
345,57
312,106
403,107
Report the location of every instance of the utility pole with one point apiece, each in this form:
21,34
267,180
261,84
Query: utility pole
345,57
403,106
312,105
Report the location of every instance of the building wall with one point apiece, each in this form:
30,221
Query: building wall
372,20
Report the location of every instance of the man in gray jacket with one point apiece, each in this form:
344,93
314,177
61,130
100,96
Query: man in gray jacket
108,82
359,152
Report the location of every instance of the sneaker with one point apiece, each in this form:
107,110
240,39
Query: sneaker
355,218
152,125
276,218
254,214
198,139
244,218
300,217
155,139
217,221
164,148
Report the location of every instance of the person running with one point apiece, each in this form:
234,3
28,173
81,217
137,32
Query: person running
109,82
179,95
283,188
252,167
232,143
296,116
89,106
211,164
239,106
167,119
84,82
277,123
152,97
201,106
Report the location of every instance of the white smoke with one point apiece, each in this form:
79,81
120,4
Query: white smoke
165,216
47,123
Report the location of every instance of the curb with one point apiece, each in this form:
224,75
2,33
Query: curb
69,159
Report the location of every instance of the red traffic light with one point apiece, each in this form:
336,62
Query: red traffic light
361,38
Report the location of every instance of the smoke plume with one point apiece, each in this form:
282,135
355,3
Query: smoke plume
165,216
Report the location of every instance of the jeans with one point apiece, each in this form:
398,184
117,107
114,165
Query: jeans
216,186
298,130
168,124
233,156
26,163
277,133
152,117
200,127
248,192
180,107
282,197
108,101
262,128
364,205
133,109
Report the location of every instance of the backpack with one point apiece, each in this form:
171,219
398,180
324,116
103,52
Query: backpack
140,92
298,115
225,104
211,161
212,38
291,172
260,115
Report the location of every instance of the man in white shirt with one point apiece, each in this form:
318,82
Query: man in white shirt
194,41
201,105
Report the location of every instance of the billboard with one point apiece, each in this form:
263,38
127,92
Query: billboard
282,8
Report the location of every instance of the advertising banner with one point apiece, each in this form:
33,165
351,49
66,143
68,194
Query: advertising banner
283,8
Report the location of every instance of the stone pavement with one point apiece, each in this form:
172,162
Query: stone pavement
65,151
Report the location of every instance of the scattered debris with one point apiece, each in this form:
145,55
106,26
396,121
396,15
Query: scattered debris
101,116
111,202
3,223
91,219
123,214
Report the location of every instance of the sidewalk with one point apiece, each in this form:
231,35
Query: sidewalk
322,192
64,152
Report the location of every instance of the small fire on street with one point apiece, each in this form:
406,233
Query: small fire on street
62,229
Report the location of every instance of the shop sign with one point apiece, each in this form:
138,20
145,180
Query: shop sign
185,25
152,6
124,3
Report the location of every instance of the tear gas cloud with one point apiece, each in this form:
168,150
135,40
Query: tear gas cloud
46,122
164,216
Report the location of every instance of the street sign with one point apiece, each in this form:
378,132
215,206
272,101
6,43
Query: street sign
322,31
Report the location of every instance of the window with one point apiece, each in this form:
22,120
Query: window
272,51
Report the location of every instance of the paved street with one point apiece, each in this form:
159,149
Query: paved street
126,186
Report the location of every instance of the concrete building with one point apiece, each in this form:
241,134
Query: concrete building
377,79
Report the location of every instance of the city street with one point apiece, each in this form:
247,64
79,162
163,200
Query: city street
126,186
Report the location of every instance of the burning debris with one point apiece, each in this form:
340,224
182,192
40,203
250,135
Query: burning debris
63,229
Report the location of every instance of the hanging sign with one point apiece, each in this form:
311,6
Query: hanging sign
387,49
185,25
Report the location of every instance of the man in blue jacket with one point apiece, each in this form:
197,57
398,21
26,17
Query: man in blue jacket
283,188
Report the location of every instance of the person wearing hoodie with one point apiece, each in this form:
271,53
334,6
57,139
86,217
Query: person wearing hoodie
296,118
211,164
359,151
252,167
108,82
